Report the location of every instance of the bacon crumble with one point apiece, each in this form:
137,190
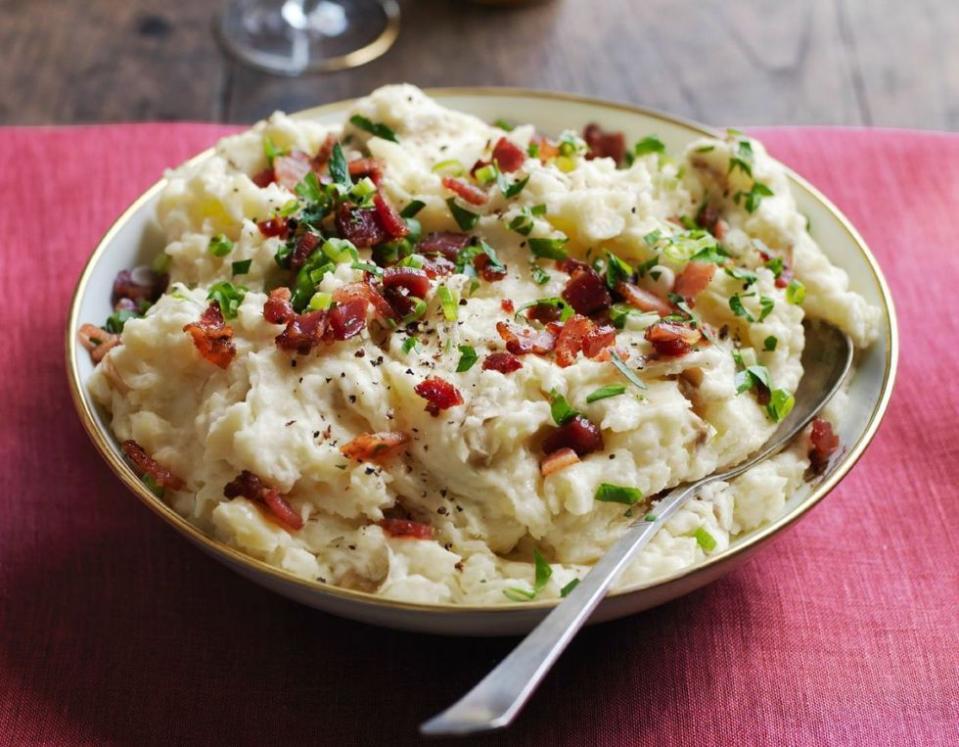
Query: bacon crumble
507,156
212,337
503,362
97,341
406,529
580,434
604,144
557,460
251,487
823,443
376,447
439,394
145,465
672,338
471,194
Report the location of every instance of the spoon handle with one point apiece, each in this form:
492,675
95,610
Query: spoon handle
500,696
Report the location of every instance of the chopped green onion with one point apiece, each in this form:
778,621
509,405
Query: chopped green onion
609,493
565,591
511,190
781,403
649,144
704,149
533,150
465,219
543,571
736,306
449,302
626,371
228,297
410,343
743,159
746,276
363,190
368,267
515,594
241,267
776,265
795,292
486,174
549,248
160,263
320,301
751,377
412,209
118,319
270,150
565,310
617,270
540,276
374,128
340,250
560,409
503,125
419,309
449,167
704,539
467,358
153,486
650,517
753,197
219,245
770,343
605,392
766,305
339,170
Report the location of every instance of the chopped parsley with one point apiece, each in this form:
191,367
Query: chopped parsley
467,358
412,209
228,297
781,403
751,377
560,409
626,371
410,343
649,144
377,129
605,392
310,189
753,197
503,125
766,305
704,539
736,306
219,245
609,493
449,303
743,159
795,292
464,218
241,267
565,591
770,343
776,266
549,248
118,319
746,276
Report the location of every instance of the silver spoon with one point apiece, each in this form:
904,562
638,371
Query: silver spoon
500,696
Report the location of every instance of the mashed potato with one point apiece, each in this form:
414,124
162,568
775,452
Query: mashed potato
458,508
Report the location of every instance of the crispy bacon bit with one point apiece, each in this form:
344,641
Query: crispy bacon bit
439,394
98,341
212,337
544,313
404,528
276,226
401,301
507,156
472,195
489,272
708,217
547,149
437,266
823,443
604,144
375,447
558,460
416,281
359,225
390,220
263,178
586,291
784,277
322,156
444,243
303,332
694,279
598,339
570,340
305,245
289,170
366,291
507,305
579,434
503,362
370,167
347,319
277,309
144,465
672,338
480,163
642,299
140,284
523,340
251,487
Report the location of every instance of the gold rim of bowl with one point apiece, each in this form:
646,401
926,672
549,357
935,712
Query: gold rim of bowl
105,444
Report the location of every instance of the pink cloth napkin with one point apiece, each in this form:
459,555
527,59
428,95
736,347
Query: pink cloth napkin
115,630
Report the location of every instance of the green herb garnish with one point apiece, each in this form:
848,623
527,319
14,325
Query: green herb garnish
241,267
219,245
540,276
512,189
649,144
565,591
795,292
780,404
339,170
609,493
549,248
228,297
565,310
449,303
704,539
626,371
753,197
467,358
766,305
270,150
374,128
543,572
560,409
412,209
743,159
118,319
617,270
410,343
605,392
503,125
465,219
751,377
310,188
736,306
770,343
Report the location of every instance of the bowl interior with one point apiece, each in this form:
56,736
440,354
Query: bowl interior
135,239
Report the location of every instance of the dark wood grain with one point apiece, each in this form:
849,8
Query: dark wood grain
878,62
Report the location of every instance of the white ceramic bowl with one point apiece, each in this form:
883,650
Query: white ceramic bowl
134,239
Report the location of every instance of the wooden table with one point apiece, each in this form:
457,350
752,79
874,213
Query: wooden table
848,62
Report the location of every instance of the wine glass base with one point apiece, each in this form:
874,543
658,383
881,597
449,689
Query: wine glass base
297,37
